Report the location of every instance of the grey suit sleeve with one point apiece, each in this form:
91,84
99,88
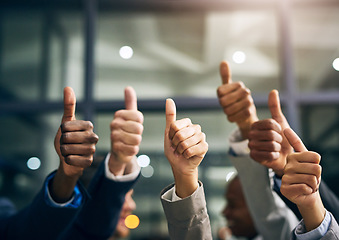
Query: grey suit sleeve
272,217
187,218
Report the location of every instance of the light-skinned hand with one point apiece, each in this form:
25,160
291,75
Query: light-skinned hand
126,133
185,147
301,179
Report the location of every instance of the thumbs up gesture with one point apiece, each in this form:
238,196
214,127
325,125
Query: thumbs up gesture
185,147
126,133
236,101
75,145
301,180
267,142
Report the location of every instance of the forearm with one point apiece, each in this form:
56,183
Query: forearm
186,184
245,126
62,186
115,166
313,216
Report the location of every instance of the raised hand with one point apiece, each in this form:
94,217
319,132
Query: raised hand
236,101
185,147
267,143
301,179
126,133
75,145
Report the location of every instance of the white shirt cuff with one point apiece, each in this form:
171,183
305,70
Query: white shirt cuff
173,197
238,144
124,178
54,203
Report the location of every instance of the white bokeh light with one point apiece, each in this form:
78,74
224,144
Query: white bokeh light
229,176
147,172
239,57
143,160
33,163
126,52
335,64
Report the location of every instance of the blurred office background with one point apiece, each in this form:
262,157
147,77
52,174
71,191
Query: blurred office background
163,49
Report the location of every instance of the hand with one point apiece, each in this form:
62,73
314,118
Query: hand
301,180
75,145
185,147
267,144
126,131
236,100
75,140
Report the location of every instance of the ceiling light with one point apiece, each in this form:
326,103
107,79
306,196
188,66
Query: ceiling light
126,52
239,57
335,64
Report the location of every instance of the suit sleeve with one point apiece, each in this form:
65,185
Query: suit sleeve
100,214
272,217
187,218
39,220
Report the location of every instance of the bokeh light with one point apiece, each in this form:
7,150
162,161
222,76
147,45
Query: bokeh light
126,52
335,64
239,57
33,163
143,160
147,172
229,176
132,221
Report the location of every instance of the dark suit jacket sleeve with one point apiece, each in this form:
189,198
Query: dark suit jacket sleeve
37,221
100,215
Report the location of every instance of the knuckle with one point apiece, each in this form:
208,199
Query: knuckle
140,129
89,125
183,146
92,148
197,127
188,153
64,149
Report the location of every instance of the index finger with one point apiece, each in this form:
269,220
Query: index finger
225,72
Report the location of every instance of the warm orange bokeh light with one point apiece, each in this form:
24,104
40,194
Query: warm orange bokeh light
132,221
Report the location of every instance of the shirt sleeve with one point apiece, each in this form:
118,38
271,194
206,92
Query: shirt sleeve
319,232
238,146
173,197
124,178
74,202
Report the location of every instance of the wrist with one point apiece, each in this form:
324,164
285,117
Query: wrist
61,186
186,184
115,166
245,126
313,214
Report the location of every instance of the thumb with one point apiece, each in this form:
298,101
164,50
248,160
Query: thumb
274,106
225,72
130,99
69,105
170,112
294,140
